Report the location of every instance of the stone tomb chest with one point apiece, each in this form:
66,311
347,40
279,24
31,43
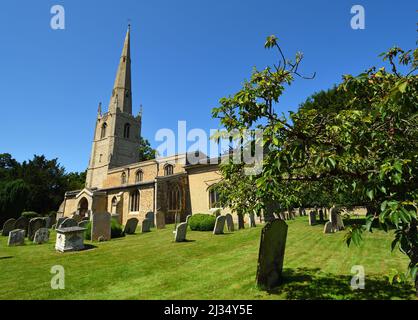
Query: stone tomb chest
70,239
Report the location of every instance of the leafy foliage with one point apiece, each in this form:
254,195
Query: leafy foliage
145,150
35,185
202,222
355,144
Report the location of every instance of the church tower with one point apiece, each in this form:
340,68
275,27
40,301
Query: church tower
117,133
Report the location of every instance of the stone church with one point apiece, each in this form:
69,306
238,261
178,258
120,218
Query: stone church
118,183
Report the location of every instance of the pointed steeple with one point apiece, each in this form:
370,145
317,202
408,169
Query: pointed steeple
122,95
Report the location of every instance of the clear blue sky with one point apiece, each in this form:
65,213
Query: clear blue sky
186,55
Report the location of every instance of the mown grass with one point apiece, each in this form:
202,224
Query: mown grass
152,266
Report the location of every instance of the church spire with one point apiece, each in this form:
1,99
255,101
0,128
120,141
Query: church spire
122,94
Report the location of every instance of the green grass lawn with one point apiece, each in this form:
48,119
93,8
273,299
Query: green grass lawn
152,266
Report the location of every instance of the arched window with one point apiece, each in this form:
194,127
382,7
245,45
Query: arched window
135,197
139,176
103,133
123,179
126,130
114,205
174,199
213,199
168,170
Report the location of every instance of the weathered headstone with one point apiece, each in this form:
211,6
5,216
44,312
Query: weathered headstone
22,223
180,233
34,225
70,239
229,222
52,221
271,254
41,236
131,226
151,216
340,223
16,238
160,220
8,226
282,216
100,226
83,224
328,227
77,218
312,218
219,225
60,220
251,220
146,226
336,220
68,223
321,215
47,222
241,224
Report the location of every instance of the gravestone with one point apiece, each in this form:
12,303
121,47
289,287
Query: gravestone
77,218
52,221
282,216
68,223
340,223
328,227
312,218
160,220
22,223
271,254
219,225
100,226
83,224
41,236
59,221
47,222
229,222
146,226
8,226
336,220
131,226
251,220
16,238
70,239
151,216
241,224
321,215
180,233
34,225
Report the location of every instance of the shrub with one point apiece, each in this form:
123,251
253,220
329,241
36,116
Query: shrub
30,214
87,233
116,229
202,222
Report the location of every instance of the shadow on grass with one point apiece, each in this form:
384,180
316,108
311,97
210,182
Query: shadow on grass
4,258
88,247
312,284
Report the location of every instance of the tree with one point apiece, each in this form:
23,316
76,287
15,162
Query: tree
145,150
357,141
13,199
76,180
